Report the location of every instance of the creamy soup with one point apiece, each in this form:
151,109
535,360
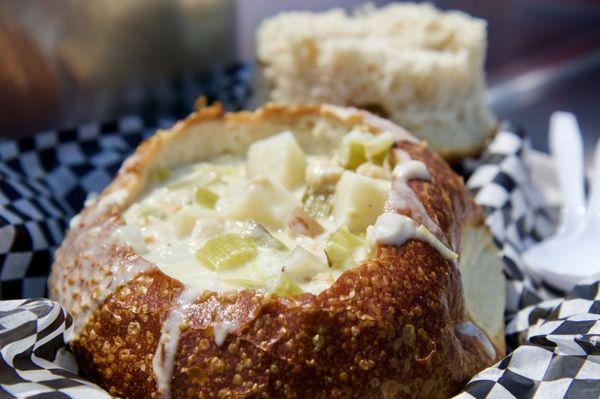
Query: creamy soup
277,220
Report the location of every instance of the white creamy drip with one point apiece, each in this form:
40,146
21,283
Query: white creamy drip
106,279
392,228
163,362
222,329
402,196
164,358
470,329
395,229
132,236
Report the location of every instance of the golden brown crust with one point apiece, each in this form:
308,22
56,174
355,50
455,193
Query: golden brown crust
117,346
386,329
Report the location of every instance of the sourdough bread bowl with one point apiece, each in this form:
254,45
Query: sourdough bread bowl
291,252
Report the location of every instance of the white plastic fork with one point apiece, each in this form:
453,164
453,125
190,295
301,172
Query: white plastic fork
572,254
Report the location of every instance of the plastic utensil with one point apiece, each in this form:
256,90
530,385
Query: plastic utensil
572,254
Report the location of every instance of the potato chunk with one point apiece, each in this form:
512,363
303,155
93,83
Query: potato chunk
265,201
279,157
302,266
359,200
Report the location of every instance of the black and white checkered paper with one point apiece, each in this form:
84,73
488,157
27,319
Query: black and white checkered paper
554,339
34,361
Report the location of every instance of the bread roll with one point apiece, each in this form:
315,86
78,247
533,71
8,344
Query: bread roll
411,63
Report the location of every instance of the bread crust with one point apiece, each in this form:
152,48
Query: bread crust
386,329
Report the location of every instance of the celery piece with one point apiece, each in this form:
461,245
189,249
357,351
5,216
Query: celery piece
244,283
317,204
151,212
339,255
286,287
353,154
378,147
344,235
259,272
160,174
262,237
339,246
206,198
226,251
353,150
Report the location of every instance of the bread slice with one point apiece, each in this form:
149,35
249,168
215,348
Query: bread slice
412,63
484,286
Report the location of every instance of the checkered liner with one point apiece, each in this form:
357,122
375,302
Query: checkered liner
501,185
556,338
35,362
45,179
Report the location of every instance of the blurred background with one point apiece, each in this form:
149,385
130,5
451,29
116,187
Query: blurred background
67,62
